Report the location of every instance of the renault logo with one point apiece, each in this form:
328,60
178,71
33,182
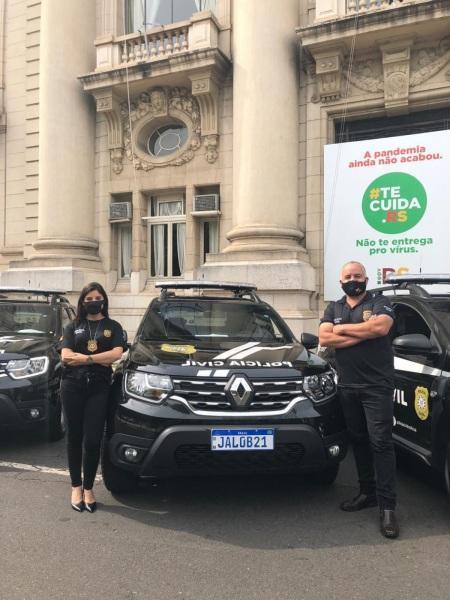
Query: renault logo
239,390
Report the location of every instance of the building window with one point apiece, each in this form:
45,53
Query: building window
124,251
210,238
381,127
167,139
145,14
166,235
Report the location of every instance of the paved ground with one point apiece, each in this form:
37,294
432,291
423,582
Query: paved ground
213,539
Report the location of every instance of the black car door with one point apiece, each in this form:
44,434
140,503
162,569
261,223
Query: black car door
415,378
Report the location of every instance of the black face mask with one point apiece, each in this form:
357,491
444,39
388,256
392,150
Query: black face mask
354,288
94,307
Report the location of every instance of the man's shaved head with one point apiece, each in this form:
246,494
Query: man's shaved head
353,266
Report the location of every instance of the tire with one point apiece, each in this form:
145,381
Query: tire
116,480
56,428
326,476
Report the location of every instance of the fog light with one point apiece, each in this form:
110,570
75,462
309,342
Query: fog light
131,454
35,413
334,450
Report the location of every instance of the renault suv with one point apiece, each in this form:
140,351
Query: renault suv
31,325
215,382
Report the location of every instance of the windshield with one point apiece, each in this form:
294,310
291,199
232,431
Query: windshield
26,318
213,320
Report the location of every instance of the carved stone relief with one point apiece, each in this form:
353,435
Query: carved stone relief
158,102
366,75
401,66
427,62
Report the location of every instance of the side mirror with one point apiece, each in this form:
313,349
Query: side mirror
413,343
309,340
126,343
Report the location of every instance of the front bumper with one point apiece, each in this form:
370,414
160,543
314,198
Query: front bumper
186,450
19,400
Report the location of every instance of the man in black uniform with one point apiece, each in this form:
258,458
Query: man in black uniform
357,326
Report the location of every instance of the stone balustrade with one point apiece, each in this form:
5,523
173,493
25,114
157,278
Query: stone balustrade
332,9
156,44
364,6
201,31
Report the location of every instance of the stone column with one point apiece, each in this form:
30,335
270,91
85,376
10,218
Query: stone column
266,246
265,127
66,227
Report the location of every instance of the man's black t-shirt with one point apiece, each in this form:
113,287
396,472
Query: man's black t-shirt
107,333
370,362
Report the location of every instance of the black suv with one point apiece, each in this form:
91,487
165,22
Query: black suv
31,324
421,342
215,382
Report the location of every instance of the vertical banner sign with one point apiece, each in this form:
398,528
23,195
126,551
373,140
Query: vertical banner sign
387,205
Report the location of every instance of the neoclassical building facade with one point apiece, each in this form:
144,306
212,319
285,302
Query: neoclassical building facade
162,139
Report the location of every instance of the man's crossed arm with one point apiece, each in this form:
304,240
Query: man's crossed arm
350,334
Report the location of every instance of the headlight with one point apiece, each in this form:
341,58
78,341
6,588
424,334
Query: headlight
147,386
320,387
22,369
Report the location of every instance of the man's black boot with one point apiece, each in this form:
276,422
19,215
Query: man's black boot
359,502
388,523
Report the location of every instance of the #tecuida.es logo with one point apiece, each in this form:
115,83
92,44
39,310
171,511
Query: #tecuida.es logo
394,203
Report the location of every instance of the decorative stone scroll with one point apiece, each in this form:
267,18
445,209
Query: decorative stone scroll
205,90
395,60
329,74
108,104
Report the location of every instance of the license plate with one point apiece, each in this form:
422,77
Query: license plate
242,439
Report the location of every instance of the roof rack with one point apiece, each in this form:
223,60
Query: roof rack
53,295
410,283
419,278
239,289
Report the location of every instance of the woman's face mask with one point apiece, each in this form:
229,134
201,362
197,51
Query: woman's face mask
93,307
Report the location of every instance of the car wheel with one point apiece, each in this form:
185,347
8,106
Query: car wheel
116,480
326,476
55,426
447,469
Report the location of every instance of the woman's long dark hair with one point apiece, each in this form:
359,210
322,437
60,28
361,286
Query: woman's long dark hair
91,287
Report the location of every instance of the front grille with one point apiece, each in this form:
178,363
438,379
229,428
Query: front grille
200,458
209,394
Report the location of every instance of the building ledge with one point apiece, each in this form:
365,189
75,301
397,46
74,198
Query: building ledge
369,26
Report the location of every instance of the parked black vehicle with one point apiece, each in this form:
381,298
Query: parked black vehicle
218,384
421,342
31,324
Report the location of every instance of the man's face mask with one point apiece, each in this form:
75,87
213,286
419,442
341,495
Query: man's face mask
94,307
354,288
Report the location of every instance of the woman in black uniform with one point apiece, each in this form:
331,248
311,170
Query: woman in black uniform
91,343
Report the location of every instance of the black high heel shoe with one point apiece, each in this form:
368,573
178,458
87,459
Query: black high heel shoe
90,506
78,506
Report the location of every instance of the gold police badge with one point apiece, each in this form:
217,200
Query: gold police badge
421,405
366,315
107,333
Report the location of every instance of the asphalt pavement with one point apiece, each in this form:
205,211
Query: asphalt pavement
213,539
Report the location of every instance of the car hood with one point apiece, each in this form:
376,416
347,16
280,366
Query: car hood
23,344
229,355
